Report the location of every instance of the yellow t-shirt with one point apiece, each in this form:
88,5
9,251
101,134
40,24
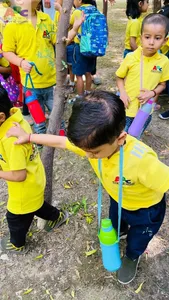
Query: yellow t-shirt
4,62
155,70
56,18
35,45
146,179
27,196
165,48
76,15
133,29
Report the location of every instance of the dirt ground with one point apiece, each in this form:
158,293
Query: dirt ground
56,267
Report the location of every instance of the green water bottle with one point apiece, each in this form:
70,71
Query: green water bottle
109,246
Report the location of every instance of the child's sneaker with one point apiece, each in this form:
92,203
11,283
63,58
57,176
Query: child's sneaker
97,80
7,246
128,270
63,216
164,116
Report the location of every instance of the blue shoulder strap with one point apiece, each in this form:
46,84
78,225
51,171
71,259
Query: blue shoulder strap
120,195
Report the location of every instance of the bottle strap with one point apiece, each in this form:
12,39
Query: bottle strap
28,76
120,195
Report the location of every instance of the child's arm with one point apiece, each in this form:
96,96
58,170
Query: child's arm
73,32
145,94
5,70
133,44
43,139
15,176
123,95
16,60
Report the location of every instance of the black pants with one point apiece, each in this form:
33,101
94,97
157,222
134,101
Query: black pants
19,224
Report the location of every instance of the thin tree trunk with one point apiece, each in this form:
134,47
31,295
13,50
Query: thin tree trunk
156,5
105,8
59,98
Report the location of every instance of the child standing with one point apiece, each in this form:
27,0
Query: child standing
32,40
81,65
135,12
155,68
22,169
96,130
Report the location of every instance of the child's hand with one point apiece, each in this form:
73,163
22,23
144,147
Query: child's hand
47,4
57,6
26,66
145,95
17,131
125,98
78,22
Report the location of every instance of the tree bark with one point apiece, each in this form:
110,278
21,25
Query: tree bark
105,8
59,98
156,5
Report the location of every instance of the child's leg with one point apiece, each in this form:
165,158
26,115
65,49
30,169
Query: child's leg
144,224
88,81
18,227
54,216
113,215
80,85
129,121
48,212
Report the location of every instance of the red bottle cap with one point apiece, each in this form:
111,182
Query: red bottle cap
28,93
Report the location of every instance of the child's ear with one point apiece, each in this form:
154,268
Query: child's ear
122,138
165,40
2,117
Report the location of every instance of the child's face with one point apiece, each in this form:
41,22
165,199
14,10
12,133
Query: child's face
106,150
144,6
77,3
152,38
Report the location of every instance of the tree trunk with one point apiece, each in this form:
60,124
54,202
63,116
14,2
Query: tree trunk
59,98
156,5
105,8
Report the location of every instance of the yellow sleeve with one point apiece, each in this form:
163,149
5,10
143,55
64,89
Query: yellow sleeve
124,67
9,38
4,62
71,147
75,15
165,72
135,28
16,155
153,173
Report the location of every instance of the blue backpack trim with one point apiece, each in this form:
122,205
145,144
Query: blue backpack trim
94,35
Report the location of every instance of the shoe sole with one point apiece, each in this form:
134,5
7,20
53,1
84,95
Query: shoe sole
163,118
124,283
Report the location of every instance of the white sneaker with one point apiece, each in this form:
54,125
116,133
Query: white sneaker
28,118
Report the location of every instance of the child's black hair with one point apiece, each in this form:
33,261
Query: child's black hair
156,19
5,103
91,2
96,120
132,9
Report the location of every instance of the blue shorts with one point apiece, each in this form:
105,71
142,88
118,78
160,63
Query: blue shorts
70,50
82,64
